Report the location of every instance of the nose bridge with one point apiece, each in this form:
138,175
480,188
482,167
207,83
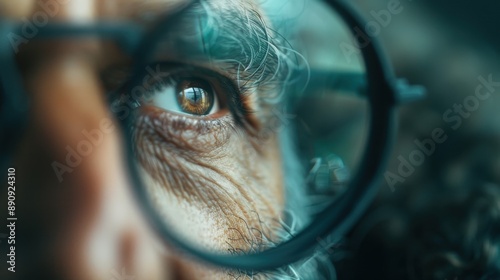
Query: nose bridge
68,102
101,227
67,106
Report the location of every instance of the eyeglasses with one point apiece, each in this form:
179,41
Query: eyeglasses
379,86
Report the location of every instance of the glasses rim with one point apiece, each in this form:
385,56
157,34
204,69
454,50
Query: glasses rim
336,219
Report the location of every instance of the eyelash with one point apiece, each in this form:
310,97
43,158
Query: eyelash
226,91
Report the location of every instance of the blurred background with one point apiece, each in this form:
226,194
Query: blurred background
442,221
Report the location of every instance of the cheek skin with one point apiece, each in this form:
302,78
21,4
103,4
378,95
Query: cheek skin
217,186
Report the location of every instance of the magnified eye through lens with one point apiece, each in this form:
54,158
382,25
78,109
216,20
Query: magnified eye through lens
182,89
269,132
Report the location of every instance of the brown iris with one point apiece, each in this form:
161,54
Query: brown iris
195,97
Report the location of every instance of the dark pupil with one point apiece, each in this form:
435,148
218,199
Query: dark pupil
194,95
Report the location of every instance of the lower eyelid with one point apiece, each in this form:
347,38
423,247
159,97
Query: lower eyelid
183,130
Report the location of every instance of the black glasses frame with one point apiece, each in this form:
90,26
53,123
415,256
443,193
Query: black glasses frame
384,92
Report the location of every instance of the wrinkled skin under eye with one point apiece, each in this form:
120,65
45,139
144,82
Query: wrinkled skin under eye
214,183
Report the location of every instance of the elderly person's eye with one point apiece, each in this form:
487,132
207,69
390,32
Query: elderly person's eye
195,96
182,97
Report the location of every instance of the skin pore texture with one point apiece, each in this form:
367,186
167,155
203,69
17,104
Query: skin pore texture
217,177
199,179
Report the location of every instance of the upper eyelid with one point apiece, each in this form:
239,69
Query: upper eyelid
237,100
117,78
